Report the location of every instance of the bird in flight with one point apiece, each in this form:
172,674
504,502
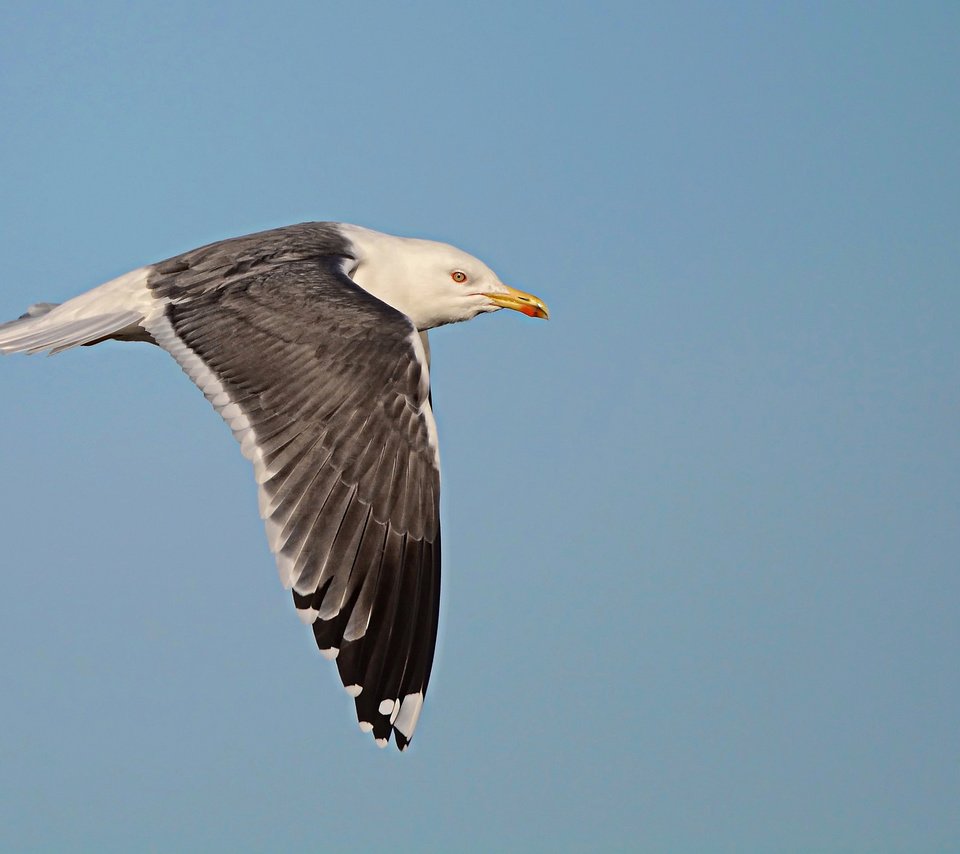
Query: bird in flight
311,343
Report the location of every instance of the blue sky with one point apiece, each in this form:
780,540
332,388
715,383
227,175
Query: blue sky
701,530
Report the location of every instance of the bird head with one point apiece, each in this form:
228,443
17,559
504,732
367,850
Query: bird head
432,283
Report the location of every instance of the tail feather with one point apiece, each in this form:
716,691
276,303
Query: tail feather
32,335
112,310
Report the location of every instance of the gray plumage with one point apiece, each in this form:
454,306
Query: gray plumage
327,379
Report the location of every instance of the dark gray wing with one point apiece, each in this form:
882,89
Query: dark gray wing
327,389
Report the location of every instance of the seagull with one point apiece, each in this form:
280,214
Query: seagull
311,343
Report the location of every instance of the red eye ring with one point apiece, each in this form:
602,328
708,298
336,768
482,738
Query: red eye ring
458,276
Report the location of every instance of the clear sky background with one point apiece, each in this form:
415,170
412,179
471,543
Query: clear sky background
702,529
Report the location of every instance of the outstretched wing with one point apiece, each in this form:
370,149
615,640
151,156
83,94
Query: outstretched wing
327,389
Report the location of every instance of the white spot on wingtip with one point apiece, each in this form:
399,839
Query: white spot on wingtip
381,742
365,726
353,690
330,653
308,616
385,707
406,721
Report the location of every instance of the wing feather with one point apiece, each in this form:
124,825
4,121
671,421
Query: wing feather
326,389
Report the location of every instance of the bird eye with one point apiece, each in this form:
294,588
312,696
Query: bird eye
458,276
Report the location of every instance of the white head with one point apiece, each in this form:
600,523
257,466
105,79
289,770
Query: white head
432,283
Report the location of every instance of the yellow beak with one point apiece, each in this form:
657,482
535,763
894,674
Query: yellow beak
528,304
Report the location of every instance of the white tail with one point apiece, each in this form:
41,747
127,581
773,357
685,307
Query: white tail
113,310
